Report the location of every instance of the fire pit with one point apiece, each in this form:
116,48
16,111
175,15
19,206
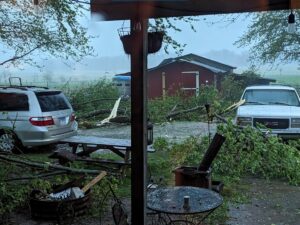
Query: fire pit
190,176
59,210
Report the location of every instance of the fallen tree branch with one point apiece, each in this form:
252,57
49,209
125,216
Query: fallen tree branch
232,107
173,109
98,112
55,173
112,115
120,119
173,114
75,105
48,166
220,118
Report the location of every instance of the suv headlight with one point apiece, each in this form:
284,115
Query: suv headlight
295,123
244,121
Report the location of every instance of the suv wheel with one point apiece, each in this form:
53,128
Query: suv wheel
9,142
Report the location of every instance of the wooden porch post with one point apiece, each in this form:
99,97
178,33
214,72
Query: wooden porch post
139,120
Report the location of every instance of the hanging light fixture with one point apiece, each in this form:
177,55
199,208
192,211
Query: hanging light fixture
291,23
36,6
39,6
149,132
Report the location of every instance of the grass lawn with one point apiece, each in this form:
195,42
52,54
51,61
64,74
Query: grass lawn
286,79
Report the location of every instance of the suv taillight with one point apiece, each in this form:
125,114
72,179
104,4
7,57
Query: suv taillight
42,121
72,117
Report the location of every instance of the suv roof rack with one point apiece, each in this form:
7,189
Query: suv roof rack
21,87
25,88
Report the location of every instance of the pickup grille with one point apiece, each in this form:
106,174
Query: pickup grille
272,123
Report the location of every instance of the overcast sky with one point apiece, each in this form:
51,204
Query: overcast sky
214,41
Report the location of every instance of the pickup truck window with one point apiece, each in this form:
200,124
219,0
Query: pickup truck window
271,97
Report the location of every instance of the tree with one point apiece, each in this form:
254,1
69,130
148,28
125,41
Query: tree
233,85
269,40
51,28
169,24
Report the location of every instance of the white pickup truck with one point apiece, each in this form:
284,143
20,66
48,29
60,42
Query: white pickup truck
275,107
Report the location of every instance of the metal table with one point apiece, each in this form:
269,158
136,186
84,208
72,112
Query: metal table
169,201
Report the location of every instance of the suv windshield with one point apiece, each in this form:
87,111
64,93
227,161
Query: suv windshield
271,97
52,101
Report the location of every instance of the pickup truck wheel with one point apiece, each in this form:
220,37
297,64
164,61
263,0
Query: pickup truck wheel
9,142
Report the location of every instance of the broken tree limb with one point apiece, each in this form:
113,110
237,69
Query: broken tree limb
55,173
232,107
173,109
94,181
47,165
112,115
211,152
173,114
99,112
93,101
120,119
220,118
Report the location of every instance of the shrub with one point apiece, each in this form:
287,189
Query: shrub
249,151
231,90
189,152
161,144
85,97
245,152
159,108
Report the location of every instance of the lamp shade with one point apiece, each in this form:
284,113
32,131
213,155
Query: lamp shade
149,133
291,23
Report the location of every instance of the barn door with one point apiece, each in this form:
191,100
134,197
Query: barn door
190,81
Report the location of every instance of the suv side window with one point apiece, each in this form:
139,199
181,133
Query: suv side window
52,101
13,102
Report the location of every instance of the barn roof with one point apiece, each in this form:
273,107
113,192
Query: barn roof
209,64
258,80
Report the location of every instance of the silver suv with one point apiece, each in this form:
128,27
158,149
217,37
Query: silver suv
33,116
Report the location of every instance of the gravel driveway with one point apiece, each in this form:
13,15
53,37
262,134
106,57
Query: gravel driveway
176,131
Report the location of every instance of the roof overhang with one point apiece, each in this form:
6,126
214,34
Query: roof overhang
130,9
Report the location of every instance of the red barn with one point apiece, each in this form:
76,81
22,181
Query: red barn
185,73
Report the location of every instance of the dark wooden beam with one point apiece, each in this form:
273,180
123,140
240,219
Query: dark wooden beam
126,9
138,120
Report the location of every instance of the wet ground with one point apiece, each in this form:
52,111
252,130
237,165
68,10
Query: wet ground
270,202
